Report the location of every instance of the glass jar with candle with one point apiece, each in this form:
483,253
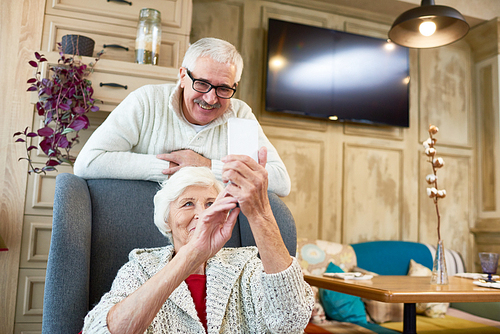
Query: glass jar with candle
148,41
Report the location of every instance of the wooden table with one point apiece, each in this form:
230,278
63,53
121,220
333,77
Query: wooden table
408,290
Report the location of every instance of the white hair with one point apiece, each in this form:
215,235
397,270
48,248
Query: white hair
217,49
174,186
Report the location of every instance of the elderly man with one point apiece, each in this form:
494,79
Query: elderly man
159,129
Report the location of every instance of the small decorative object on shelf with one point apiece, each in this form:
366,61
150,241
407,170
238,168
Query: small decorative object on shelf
77,45
148,41
439,273
64,97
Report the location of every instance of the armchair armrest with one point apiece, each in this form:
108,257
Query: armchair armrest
67,299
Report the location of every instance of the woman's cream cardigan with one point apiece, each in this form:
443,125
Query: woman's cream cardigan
241,298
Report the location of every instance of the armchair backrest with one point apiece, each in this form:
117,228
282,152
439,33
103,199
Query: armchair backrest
96,223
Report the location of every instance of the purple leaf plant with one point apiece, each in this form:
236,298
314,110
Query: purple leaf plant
64,97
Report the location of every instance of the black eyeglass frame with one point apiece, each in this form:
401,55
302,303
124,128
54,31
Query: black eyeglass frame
211,86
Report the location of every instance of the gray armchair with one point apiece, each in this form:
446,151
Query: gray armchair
96,223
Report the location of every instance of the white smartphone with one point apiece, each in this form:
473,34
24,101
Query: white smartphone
243,137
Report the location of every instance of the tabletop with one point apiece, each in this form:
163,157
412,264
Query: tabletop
408,289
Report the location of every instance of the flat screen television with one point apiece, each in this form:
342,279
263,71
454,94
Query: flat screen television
325,73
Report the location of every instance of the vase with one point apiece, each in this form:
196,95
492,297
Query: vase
77,45
439,273
148,41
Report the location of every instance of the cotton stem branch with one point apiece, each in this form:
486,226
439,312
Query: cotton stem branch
434,170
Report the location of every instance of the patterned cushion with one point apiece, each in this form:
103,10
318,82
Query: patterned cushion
314,255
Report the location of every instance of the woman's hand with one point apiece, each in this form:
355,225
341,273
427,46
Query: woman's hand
247,183
215,226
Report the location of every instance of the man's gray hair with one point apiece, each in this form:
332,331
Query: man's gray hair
174,186
217,49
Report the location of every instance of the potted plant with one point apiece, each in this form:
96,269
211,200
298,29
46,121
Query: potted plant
64,98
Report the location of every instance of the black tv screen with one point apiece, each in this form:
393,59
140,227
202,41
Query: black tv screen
324,73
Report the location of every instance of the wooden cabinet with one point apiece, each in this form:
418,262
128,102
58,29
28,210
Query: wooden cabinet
118,42
175,14
115,75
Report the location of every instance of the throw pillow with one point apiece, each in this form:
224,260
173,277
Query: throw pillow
340,306
380,312
318,314
432,310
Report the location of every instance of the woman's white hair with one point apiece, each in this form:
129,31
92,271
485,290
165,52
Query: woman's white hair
217,49
174,186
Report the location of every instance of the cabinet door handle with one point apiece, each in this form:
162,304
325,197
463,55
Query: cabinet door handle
115,46
122,1
113,85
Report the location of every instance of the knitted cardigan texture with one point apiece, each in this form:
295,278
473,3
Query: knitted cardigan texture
149,121
241,298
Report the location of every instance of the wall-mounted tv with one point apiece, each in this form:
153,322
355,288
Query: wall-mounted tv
325,73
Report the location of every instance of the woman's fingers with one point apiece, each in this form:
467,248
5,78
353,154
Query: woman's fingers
240,173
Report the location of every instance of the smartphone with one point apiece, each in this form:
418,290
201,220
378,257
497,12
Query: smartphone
243,137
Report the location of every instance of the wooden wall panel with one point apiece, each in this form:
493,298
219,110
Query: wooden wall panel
21,24
372,194
304,199
456,178
445,93
487,142
488,152
208,23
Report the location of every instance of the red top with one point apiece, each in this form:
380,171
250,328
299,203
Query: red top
197,286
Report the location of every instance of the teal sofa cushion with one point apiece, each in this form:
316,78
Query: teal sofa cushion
340,306
381,257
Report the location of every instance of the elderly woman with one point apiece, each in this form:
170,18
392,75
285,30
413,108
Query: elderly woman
195,285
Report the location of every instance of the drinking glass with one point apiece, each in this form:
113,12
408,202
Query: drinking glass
489,264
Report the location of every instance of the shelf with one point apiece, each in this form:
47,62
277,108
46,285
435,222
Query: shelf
168,74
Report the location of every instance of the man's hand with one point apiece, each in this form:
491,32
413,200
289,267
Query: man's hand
183,158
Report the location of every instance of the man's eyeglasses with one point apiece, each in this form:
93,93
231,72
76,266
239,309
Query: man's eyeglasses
202,86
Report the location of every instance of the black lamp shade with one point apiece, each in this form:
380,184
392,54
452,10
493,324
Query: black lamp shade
450,27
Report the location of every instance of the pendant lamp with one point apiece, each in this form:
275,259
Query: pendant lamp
428,26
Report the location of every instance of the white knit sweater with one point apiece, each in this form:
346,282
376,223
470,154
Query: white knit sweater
149,121
241,298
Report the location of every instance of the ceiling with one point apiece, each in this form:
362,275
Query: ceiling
474,11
